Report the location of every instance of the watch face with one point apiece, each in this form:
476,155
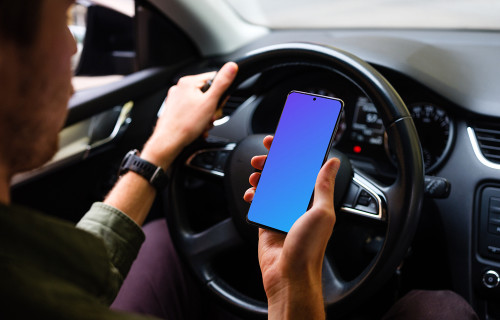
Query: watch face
124,167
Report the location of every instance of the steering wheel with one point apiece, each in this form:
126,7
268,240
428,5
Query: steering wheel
397,206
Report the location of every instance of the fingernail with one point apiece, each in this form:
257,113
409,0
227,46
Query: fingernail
232,67
248,195
336,164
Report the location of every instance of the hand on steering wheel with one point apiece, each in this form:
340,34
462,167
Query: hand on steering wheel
188,113
291,264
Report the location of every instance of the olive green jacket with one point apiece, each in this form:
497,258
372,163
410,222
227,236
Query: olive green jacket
51,270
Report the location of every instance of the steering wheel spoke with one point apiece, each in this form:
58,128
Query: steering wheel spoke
365,198
211,160
331,283
205,245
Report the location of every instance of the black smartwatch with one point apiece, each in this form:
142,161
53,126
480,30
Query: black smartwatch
154,174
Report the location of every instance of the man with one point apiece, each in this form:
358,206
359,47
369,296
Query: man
49,269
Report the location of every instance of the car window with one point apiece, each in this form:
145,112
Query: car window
87,70
440,14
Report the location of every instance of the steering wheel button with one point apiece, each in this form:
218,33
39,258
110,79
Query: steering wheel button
204,160
364,193
494,228
221,160
197,161
210,156
494,250
351,195
364,201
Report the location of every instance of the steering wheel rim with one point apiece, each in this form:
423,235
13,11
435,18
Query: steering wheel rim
403,197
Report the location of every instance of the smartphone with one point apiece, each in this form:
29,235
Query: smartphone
301,144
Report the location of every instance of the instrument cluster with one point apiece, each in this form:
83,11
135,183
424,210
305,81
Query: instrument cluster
361,133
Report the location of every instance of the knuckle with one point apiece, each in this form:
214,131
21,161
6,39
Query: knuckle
172,90
183,81
326,214
323,211
325,185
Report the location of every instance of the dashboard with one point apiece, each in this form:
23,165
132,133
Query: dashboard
449,83
361,134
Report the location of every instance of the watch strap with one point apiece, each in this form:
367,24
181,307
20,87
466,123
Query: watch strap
152,173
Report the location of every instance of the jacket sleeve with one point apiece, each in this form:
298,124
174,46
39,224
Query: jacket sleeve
122,237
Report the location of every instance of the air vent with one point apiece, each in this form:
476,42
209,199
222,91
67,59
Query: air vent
488,138
234,101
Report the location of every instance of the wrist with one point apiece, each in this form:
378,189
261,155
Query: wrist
304,301
161,153
154,174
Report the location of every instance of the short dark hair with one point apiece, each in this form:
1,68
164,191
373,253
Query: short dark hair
19,20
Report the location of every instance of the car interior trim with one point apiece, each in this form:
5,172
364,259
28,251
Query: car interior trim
397,120
123,121
205,29
379,198
87,103
76,141
189,161
477,150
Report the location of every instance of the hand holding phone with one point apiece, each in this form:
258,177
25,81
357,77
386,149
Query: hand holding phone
291,264
300,147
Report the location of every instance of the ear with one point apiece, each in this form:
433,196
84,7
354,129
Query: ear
9,73
9,58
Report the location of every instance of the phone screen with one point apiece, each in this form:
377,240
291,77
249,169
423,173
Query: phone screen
300,147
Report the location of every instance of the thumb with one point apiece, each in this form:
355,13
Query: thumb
223,79
325,184
307,240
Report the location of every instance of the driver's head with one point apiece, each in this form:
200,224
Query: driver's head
19,20
35,80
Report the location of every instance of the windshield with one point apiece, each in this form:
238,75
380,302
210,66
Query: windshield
420,14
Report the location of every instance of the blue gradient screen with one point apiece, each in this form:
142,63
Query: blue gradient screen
298,151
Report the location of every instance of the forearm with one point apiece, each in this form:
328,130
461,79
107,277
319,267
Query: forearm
297,302
133,194
188,113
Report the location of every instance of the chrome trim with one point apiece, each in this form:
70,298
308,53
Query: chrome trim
477,150
162,107
221,121
379,198
227,147
494,274
77,147
123,120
